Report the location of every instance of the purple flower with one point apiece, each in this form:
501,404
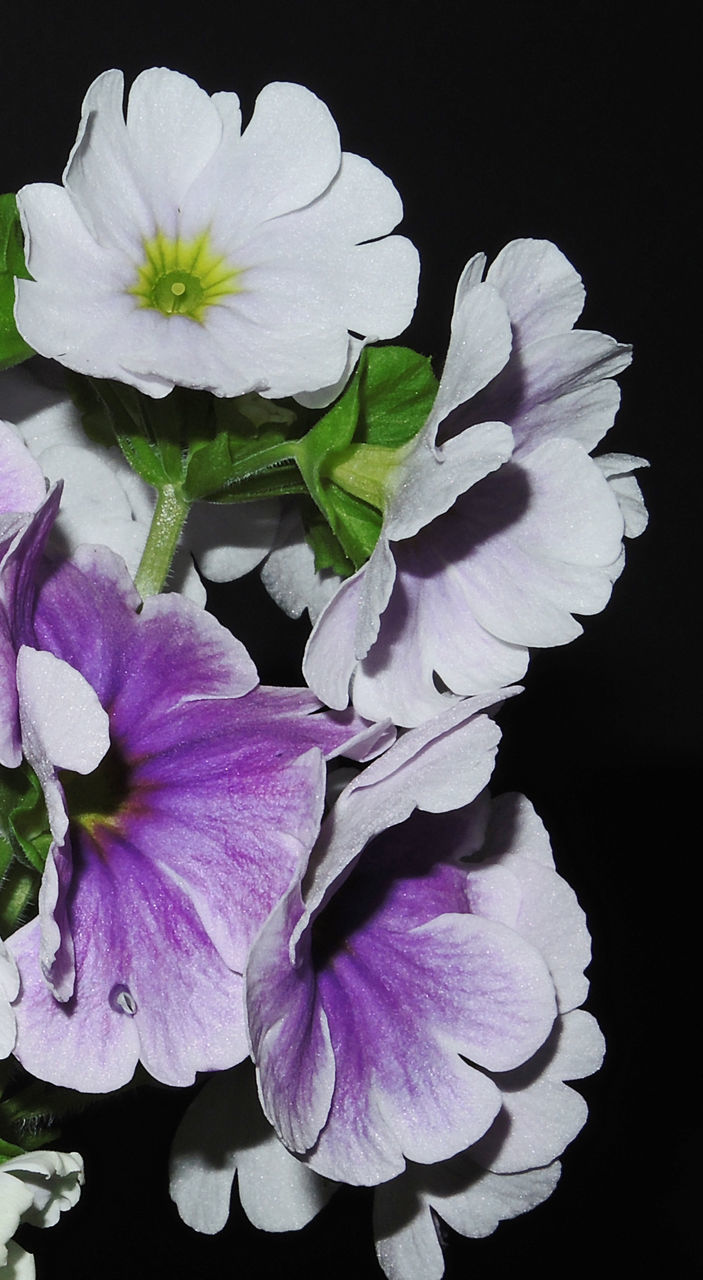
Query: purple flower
509,880
476,564
382,1000
181,797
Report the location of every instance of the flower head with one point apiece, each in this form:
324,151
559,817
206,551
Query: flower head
501,526
181,250
375,935
180,796
370,993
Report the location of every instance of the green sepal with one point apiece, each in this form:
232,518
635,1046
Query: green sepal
152,434
13,348
397,391
29,823
24,844
209,449
325,546
245,455
348,456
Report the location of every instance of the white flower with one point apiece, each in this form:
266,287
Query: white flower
34,1188
182,251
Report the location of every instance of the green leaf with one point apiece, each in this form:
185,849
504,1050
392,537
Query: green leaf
13,348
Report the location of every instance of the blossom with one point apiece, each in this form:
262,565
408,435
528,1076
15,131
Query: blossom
476,566
107,503
180,797
509,879
369,995
181,250
36,1188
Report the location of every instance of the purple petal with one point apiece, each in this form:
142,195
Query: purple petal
150,984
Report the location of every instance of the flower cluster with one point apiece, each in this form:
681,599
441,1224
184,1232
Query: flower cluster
307,892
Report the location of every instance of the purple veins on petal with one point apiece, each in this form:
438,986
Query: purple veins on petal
170,850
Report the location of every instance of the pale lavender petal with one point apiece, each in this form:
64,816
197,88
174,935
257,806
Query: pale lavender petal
442,765
428,631
225,1132
290,577
541,1115
479,345
559,387
549,914
22,484
425,491
473,1202
541,289
617,469
330,654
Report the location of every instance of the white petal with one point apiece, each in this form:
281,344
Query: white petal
541,289
63,724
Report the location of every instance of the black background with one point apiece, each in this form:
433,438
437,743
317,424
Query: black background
570,121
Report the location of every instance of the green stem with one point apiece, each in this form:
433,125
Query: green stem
166,527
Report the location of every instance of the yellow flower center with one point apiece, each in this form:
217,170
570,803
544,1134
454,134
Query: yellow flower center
183,277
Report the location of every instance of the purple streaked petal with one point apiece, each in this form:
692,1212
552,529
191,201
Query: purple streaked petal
136,936
397,1005
559,387
441,765
289,1032
229,824
20,558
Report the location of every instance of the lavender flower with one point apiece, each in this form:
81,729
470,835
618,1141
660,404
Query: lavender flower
497,854
473,569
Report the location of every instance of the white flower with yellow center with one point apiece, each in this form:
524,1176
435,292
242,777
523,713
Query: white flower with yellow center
181,250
